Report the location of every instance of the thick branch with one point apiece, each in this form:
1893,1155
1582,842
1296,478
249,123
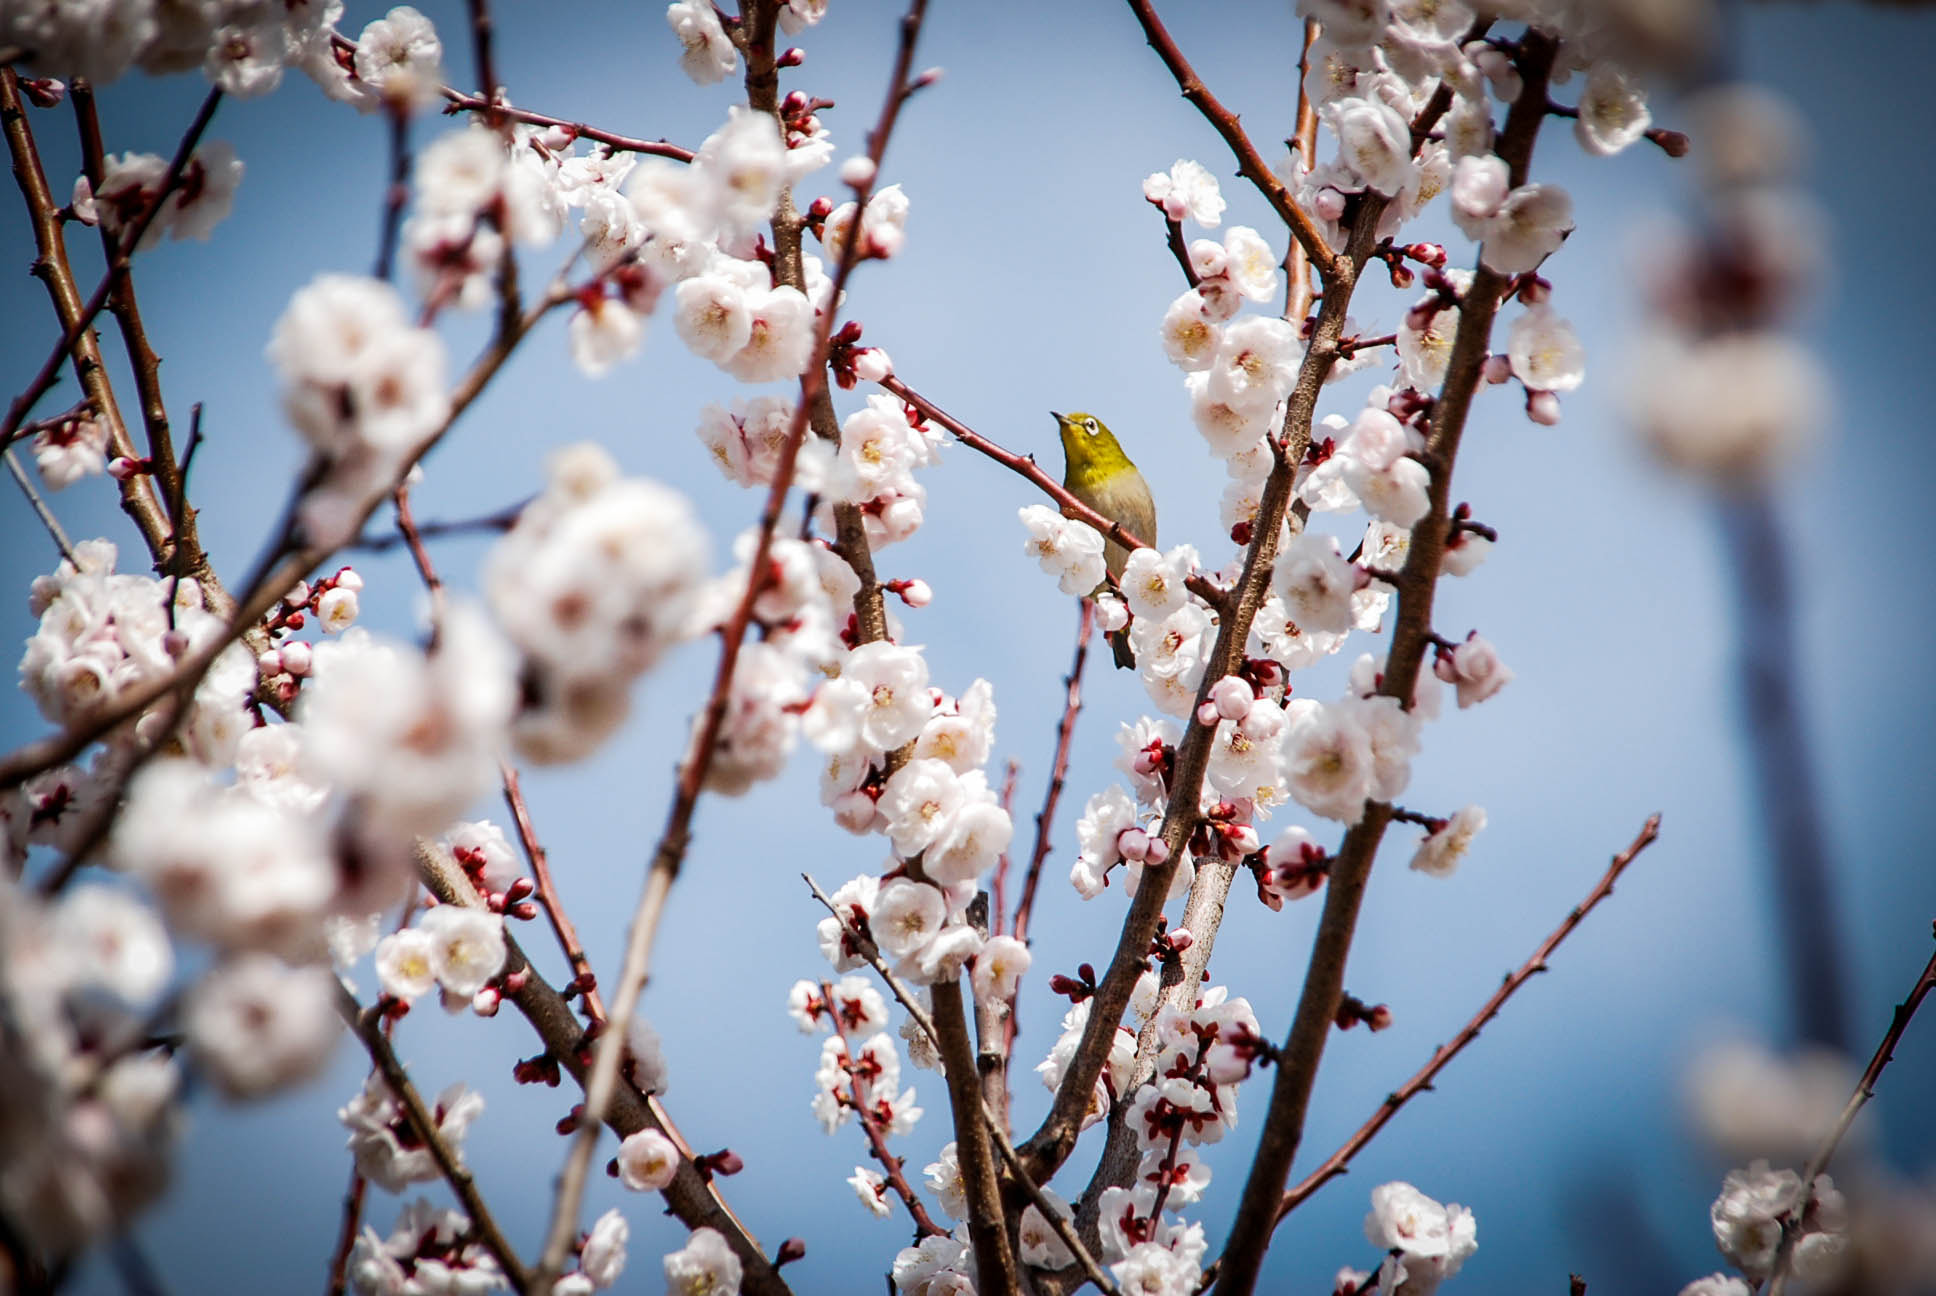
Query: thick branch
1324,978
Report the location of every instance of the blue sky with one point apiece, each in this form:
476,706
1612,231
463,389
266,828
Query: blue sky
1034,279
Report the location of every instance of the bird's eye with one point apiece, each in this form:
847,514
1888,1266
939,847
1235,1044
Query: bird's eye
1089,426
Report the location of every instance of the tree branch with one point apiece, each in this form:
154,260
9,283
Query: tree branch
1336,1164
1250,164
368,1026
691,1196
677,835
1025,465
1864,1090
1351,866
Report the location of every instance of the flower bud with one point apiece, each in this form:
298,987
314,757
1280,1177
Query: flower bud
297,657
1543,408
1232,697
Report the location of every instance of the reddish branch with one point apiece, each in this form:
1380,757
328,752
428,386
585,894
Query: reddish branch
583,981
998,904
1071,507
1335,1164
1864,1090
1058,774
461,102
368,1026
1173,236
891,1165
669,856
1297,265
1351,866
1250,163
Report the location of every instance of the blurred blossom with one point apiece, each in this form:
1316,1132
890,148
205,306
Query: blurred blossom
1747,1102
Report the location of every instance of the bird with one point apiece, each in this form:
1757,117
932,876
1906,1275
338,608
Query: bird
1098,472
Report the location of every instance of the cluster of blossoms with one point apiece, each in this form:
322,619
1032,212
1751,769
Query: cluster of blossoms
594,583
70,447
241,46
1424,1243
102,636
432,1251
131,182
1729,396
364,385
860,1067
274,844
1203,1053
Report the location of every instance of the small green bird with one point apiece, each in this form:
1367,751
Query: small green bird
1097,472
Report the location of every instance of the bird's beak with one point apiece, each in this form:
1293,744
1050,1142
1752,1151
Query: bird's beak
1057,417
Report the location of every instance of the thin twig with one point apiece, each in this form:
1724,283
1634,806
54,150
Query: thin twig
1791,1229
39,505
1297,265
396,194
1336,1164
670,853
482,31
368,1026
1058,770
502,520
346,1235
458,102
583,981
1173,237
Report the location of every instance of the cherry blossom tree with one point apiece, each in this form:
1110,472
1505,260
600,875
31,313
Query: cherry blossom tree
249,823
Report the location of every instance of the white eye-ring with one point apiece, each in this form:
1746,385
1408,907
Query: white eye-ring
1089,426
